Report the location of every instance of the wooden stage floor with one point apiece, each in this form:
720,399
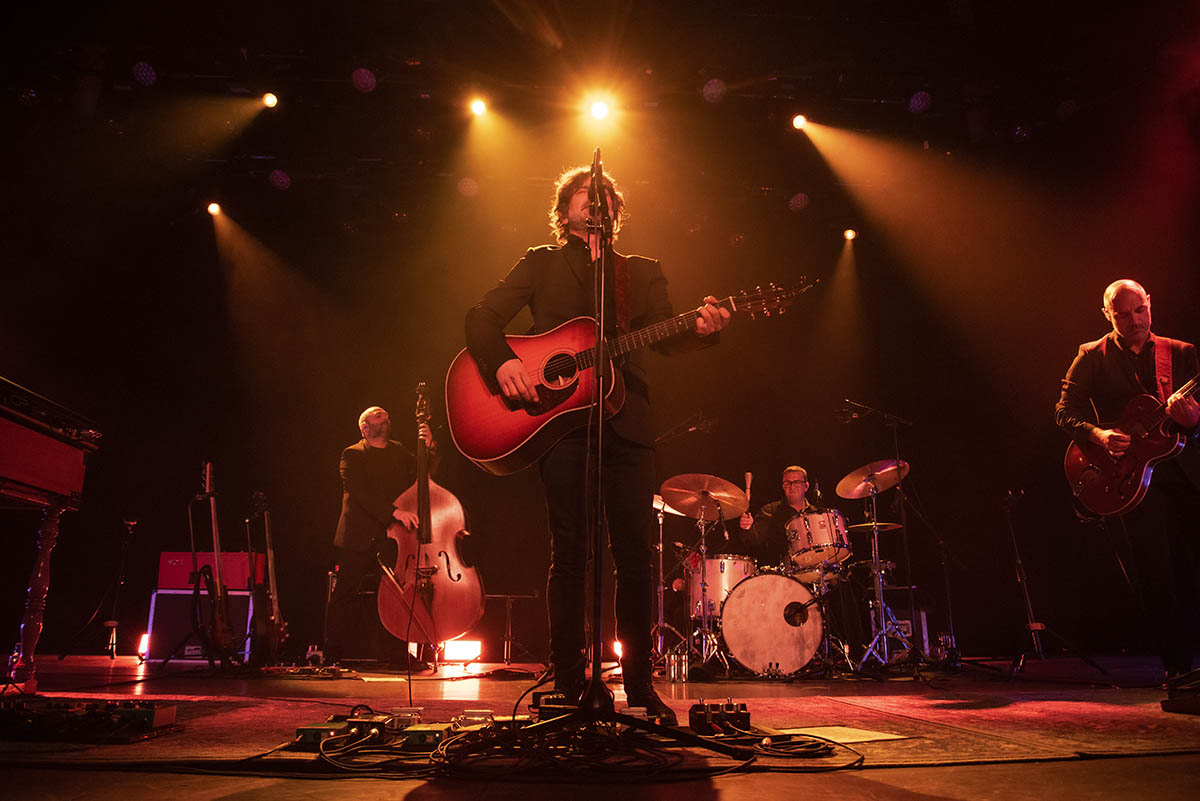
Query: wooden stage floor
1059,729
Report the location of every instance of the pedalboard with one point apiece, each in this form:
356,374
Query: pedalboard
712,718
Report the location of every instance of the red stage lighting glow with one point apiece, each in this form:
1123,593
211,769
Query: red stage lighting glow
363,80
798,202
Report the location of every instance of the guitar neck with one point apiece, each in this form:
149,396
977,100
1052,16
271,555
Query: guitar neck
1188,389
651,334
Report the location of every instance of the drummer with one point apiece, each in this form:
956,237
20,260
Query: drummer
766,536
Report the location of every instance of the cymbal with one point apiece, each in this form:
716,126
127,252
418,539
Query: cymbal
701,495
867,527
667,508
885,474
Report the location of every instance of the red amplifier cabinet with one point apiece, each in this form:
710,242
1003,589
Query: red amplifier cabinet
175,569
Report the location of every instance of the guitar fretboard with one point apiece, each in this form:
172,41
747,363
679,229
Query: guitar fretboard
1160,415
649,335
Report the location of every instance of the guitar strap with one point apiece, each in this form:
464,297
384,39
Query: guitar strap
1162,367
621,290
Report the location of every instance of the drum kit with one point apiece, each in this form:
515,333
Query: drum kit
771,619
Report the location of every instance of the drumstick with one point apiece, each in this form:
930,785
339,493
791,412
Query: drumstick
749,478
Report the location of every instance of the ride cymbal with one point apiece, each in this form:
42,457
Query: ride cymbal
882,475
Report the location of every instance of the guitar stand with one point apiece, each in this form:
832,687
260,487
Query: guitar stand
508,635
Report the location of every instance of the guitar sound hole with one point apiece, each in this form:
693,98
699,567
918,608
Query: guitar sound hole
560,370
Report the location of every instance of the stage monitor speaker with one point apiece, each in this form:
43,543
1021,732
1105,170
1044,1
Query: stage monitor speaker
170,628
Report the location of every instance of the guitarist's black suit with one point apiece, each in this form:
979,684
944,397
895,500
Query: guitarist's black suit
1164,529
555,282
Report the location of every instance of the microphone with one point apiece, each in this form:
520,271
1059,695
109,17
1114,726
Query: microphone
597,179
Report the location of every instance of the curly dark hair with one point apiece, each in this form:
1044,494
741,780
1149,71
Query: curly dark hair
566,185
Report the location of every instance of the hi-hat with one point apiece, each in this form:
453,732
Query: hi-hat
700,495
881,476
659,503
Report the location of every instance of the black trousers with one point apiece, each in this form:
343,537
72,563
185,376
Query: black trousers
1164,540
628,490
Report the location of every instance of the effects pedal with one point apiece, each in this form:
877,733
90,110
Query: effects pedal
719,718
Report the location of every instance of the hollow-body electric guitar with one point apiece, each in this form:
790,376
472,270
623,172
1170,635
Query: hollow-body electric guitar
1108,485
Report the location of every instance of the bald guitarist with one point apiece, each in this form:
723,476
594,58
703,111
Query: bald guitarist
1124,393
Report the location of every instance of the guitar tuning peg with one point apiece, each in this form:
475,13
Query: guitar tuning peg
758,287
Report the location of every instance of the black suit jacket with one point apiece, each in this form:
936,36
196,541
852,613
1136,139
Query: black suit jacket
555,282
372,479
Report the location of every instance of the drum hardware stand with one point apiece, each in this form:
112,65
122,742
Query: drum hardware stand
830,643
709,646
854,409
660,653
1035,628
883,622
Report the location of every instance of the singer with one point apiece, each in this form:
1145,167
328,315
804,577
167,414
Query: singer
556,282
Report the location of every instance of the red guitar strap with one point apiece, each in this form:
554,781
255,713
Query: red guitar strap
1162,367
621,290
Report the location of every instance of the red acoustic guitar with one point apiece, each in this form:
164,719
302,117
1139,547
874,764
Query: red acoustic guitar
1111,486
504,437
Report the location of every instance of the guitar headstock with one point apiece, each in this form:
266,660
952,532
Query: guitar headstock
769,301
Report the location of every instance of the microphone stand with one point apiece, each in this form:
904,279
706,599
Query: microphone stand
596,704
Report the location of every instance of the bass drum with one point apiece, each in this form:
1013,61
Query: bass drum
771,625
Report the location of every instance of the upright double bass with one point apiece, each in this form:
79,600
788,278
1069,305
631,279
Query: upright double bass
431,594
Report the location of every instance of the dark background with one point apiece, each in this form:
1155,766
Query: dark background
1059,153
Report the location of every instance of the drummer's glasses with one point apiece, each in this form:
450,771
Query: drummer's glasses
794,483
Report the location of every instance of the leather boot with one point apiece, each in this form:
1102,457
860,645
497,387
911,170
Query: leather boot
639,691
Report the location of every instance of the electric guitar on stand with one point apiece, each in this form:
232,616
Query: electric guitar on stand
275,632
1106,485
504,437
216,633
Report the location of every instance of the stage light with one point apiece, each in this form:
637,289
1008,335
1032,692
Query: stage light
363,80
714,90
143,648
478,107
617,649
214,209
279,179
462,650
144,74
599,110
849,233
799,121
468,187
920,102
798,202
269,100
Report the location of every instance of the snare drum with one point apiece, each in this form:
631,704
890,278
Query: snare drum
816,538
722,572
